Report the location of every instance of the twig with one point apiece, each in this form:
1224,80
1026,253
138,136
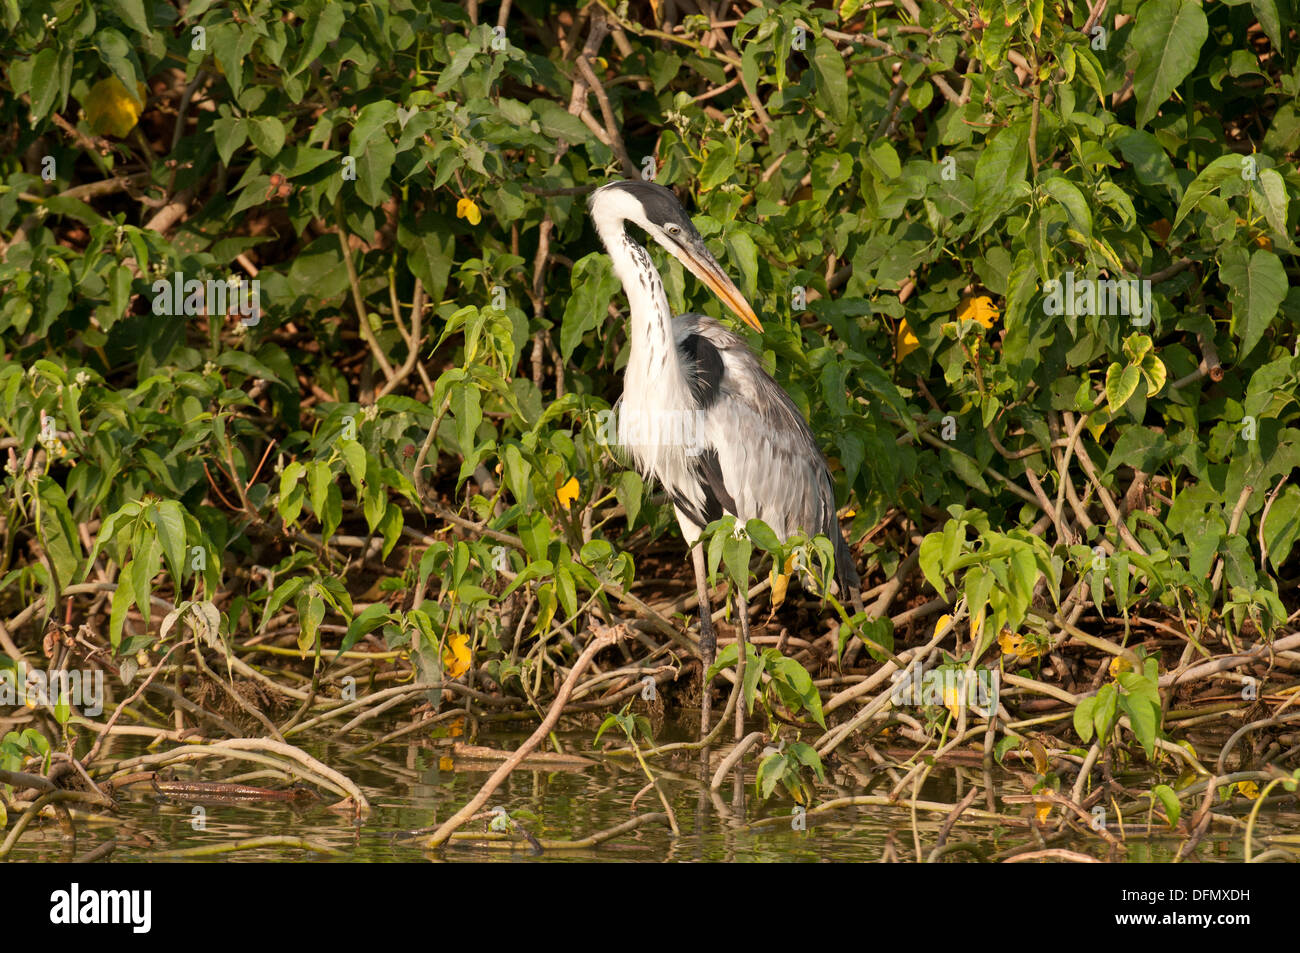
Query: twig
601,641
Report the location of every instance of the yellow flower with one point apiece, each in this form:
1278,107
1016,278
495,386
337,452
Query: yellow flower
111,109
456,656
905,342
467,210
979,308
567,493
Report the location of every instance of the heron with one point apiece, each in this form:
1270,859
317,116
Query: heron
699,414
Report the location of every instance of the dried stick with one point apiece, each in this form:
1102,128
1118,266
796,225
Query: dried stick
604,640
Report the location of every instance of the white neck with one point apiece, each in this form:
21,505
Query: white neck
653,368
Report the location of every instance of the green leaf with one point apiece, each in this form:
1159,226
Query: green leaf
373,166
318,269
144,566
229,134
1207,182
354,461
319,30
1257,285
1121,385
1143,717
1066,193
371,121
736,553
763,535
1275,202
1084,713
267,134
120,57
1282,526
801,684
58,531
430,251
1003,161
122,600
319,479
931,561
169,522
1169,801
1168,34
108,530
1150,162
832,79
753,676
44,83
282,594
133,14
369,619
535,534
459,63
291,495
1105,710
1269,21
593,286
311,612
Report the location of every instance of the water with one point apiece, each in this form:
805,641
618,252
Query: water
413,784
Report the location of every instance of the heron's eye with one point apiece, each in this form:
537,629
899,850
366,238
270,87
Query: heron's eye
674,230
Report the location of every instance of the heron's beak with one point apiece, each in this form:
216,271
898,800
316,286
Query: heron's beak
705,267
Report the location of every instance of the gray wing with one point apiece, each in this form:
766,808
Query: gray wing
759,458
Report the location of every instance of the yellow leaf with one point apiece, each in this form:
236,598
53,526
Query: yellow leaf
1249,788
905,342
467,210
781,581
952,697
111,110
1119,664
568,492
1042,809
1096,430
1019,646
1042,764
979,308
456,656
943,620
445,763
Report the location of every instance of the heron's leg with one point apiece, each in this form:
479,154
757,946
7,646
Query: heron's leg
742,649
708,640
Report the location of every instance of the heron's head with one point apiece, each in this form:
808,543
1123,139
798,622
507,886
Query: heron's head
656,210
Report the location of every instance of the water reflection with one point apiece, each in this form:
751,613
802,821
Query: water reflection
412,784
